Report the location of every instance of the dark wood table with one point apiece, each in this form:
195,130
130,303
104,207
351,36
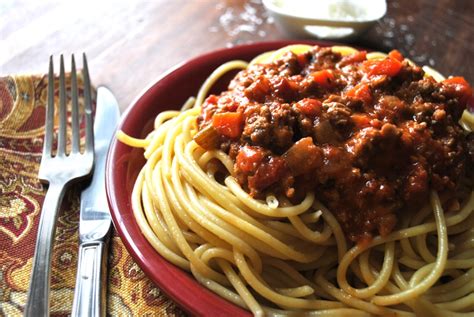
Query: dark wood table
130,43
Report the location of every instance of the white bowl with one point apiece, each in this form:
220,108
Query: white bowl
325,19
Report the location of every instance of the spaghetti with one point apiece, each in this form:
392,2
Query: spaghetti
275,257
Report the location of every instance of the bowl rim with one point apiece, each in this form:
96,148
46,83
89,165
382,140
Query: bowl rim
276,10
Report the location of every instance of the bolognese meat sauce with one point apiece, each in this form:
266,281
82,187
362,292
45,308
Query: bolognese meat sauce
369,137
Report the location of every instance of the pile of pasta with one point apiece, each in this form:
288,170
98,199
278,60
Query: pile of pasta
275,258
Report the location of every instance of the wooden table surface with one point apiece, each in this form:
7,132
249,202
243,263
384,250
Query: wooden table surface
131,43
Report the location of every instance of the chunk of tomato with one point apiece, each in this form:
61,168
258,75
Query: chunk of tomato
249,158
461,88
396,55
362,92
361,120
354,58
308,106
259,89
212,99
388,66
228,124
324,78
302,60
267,174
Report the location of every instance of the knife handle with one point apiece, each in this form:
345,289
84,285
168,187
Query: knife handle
90,291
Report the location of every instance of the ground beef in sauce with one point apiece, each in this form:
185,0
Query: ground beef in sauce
370,138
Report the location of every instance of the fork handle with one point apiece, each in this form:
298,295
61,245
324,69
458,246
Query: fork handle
90,291
37,303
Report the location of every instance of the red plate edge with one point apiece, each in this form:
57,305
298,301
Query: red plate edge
174,282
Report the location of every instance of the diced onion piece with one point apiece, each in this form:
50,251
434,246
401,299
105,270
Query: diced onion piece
303,156
467,120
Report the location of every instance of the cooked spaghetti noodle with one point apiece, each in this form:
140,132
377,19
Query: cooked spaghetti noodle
274,257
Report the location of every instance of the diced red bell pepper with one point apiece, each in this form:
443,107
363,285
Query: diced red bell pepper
362,92
228,124
396,55
461,87
308,106
324,78
249,158
388,66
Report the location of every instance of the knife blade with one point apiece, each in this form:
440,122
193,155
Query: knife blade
95,219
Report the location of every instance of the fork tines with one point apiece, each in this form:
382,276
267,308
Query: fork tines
75,127
59,171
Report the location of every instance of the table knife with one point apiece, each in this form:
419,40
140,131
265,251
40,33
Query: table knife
95,219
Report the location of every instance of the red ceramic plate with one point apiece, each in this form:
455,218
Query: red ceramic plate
124,163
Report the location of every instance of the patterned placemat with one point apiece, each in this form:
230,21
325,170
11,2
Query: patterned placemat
130,292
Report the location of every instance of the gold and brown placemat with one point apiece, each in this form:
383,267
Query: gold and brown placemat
130,292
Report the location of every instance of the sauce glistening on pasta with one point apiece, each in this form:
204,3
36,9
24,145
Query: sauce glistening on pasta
370,137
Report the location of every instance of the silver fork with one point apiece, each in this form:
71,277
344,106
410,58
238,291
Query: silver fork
59,171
